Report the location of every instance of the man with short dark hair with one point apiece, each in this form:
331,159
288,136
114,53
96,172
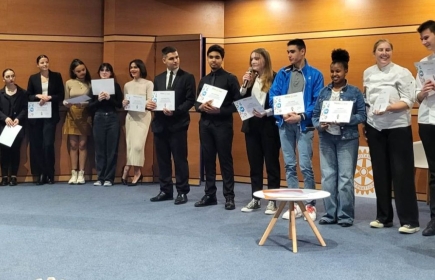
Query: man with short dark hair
170,128
216,130
296,129
426,122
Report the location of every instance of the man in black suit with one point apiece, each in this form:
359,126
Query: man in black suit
170,128
216,130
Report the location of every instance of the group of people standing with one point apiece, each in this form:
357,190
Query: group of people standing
388,132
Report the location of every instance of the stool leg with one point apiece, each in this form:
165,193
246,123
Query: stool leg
292,227
311,223
272,223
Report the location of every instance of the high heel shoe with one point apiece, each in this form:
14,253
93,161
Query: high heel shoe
124,181
135,183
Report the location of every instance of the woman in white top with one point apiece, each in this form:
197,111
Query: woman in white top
261,133
137,123
389,135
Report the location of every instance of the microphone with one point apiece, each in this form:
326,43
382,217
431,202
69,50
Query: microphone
245,82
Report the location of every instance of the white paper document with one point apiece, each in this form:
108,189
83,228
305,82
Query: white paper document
9,134
78,99
336,111
382,102
137,103
36,111
285,194
164,99
103,85
426,71
246,107
216,94
289,103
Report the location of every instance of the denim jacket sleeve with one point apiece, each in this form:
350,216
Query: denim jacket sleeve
360,115
317,110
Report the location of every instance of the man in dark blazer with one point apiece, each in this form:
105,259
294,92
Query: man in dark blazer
170,128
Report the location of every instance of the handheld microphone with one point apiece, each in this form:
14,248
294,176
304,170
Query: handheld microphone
245,82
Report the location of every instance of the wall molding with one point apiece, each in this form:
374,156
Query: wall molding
44,38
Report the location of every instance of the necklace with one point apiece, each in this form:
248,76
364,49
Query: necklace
11,92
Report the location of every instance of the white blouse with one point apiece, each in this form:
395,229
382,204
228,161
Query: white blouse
396,81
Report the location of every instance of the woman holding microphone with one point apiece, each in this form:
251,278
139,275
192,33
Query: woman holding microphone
261,133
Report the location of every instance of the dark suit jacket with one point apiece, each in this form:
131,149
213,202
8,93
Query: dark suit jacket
55,89
16,109
184,87
249,124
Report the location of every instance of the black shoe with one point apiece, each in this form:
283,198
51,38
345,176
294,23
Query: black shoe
124,181
13,181
5,181
132,184
49,180
229,204
40,180
430,229
326,222
162,197
206,200
181,199
344,224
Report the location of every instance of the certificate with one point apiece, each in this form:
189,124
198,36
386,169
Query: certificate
9,134
336,111
78,99
136,103
426,71
36,111
216,94
246,107
289,103
164,99
382,102
103,85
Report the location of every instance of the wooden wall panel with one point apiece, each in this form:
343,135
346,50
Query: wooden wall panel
166,17
261,17
52,17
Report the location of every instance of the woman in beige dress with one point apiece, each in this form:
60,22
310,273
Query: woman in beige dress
78,120
137,123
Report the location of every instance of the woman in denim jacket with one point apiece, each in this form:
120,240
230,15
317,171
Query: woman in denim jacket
339,144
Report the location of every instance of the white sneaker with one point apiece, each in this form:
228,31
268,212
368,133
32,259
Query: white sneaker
73,179
312,211
81,177
298,213
107,183
97,183
254,204
408,229
271,208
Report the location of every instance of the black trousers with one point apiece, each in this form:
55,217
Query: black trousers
262,146
10,156
392,156
166,144
106,139
41,140
217,139
427,136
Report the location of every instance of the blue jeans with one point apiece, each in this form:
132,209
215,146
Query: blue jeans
338,160
291,136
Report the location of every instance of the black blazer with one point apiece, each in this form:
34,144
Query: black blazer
184,87
55,89
250,124
14,110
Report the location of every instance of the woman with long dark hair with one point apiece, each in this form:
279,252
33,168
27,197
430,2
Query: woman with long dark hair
78,120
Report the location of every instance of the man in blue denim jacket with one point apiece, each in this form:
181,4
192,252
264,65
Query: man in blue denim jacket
296,130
